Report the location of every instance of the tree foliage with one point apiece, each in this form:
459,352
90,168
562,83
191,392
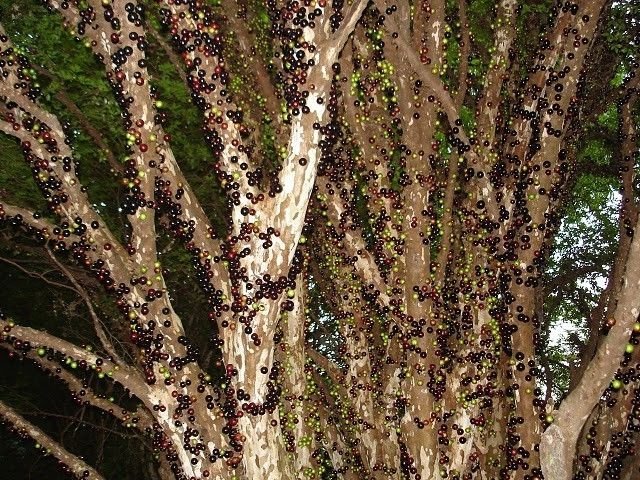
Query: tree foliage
308,239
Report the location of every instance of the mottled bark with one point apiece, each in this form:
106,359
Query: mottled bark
428,242
559,440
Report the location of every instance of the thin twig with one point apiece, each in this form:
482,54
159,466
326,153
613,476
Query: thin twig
97,324
40,276
27,429
63,97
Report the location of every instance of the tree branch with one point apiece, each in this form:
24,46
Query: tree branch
465,49
175,60
204,67
569,276
489,103
45,147
352,242
559,440
24,428
297,407
341,454
151,155
97,323
298,178
326,365
140,418
447,218
39,276
64,98
246,42
432,82
627,218
122,374
31,220
358,122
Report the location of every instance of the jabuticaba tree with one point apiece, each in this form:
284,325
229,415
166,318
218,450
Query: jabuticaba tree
392,172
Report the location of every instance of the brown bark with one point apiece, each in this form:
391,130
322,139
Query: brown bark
465,49
627,218
559,440
428,349
297,410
